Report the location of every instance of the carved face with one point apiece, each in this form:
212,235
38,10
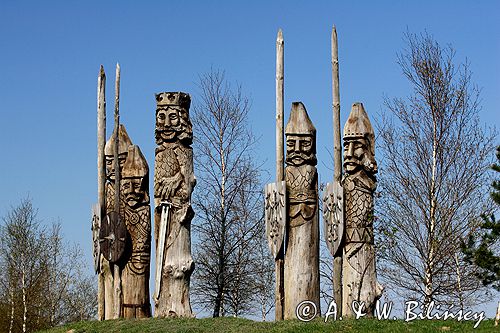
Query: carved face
299,149
171,123
357,156
133,191
110,165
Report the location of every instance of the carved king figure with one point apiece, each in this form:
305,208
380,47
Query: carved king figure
359,183
173,184
301,270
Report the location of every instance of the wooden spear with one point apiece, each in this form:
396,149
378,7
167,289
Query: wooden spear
116,275
280,168
101,177
337,162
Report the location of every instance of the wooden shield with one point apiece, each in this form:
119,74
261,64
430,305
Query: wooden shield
275,205
112,237
96,226
333,216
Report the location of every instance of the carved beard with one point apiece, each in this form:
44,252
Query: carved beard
136,199
170,134
300,158
366,163
163,133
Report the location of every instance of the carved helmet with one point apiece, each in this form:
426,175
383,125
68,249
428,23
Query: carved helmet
123,142
358,126
299,121
135,165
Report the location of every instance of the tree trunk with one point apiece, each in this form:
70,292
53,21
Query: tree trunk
25,301
429,269
12,307
497,317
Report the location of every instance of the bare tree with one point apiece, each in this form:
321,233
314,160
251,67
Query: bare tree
227,201
432,182
38,273
263,264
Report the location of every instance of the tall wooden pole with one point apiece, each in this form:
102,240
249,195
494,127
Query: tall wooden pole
101,175
116,275
337,162
280,167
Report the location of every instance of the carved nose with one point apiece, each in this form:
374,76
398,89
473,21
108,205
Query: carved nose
297,145
350,150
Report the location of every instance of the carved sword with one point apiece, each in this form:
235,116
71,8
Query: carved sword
164,223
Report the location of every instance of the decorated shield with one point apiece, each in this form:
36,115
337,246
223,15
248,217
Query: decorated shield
112,237
333,216
96,225
275,204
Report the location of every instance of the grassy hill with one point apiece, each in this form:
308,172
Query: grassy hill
239,325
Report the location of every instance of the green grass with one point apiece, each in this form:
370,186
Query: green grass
239,325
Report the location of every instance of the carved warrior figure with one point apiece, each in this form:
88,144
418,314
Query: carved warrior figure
113,233
359,183
173,184
125,237
135,277
301,271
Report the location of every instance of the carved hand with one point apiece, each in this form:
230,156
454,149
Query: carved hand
167,186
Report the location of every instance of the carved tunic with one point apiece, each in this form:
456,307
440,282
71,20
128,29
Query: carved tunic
110,199
359,211
174,168
302,193
301,264
135,276
139,228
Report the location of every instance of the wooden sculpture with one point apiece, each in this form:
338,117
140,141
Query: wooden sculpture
359,277
173,184
135,275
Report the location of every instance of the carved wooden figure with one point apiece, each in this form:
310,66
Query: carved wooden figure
359,272
113,232
135,276
173,184
302,245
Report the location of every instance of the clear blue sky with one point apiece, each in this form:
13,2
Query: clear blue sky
50,54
